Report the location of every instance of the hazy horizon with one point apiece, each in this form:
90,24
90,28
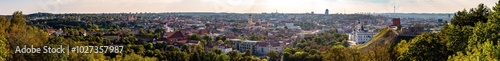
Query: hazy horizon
7,7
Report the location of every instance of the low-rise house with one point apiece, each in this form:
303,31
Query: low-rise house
55,32
225,48
193,42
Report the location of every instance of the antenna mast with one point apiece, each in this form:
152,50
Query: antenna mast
394,9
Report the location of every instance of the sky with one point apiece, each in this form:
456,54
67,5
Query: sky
7,7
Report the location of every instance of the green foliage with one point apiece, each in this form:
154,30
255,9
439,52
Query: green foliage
421,48
322,41
273,56
338,53
3,48
483,43
18,19
306,25
248,53
484,32
19,34
472,36
257,37
195,37
292,54
177,56
4,24
148,33
455,37
234,54
135,57
482,52
464,18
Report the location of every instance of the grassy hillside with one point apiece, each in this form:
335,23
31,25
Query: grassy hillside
384,38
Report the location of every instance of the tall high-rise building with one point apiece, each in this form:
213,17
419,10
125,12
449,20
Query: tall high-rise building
326,12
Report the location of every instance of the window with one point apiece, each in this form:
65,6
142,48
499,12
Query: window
262,49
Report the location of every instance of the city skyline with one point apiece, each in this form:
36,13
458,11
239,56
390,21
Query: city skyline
239,6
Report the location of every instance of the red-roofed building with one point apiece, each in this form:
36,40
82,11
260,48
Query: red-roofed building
175,38
50,31
203,32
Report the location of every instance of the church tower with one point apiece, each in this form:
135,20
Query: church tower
250,22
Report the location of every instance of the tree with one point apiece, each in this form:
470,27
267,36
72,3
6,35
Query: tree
217,50
210,56
177,56
257,37
421,48
248,53
135,57
195,37
455,37
480,13
482,52
4,24
3,48
233,54
337,53
483,43
19,34
464,18
206,37
18,18
273,56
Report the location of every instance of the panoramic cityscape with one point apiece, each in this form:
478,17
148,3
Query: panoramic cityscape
249,30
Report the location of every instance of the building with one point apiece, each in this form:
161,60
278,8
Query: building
244,45
204,32
131,18
167,28
262,48
55,32
225,48
396,21
440,22
326,11
258,47
292,26
250,21
176,39
363,37
412,31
